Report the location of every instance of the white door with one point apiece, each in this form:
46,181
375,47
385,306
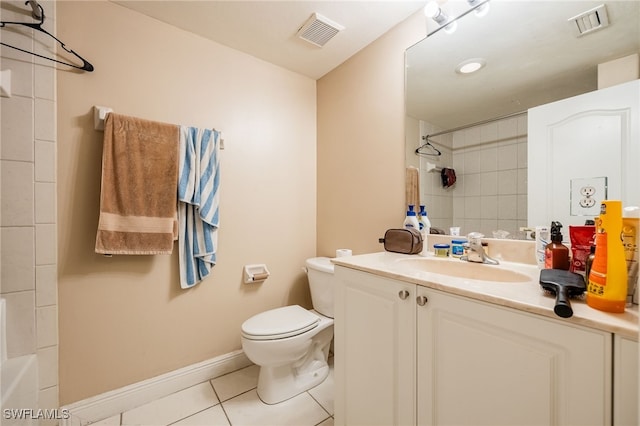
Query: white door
374,350
579,146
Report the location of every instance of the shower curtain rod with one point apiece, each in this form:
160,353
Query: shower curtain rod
466,126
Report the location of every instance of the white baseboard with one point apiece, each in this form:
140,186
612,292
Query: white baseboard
110,403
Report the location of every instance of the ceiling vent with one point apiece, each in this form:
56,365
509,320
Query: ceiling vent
591,20
319,30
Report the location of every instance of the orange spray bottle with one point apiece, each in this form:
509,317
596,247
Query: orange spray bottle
607,289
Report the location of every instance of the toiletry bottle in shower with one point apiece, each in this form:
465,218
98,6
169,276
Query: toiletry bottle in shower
607,289
556,254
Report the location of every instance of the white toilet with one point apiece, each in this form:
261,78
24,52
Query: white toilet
291,344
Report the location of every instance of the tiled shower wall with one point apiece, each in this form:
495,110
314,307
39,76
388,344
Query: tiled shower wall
28,278
491,166
490,193
438,200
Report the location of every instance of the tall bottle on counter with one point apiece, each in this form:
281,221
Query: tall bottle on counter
607,289
425,228
411,220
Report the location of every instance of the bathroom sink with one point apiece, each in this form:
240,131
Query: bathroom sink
465,270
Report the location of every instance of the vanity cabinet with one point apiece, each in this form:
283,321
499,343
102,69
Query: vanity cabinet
407,354
625,382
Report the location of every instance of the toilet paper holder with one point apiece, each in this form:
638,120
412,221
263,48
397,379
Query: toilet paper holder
255,273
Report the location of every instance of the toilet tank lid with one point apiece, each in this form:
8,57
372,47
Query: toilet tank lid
322,264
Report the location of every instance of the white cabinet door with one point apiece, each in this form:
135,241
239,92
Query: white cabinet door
374,350
625,382
480,364
573,144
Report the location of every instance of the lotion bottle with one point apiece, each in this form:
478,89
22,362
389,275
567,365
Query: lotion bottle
607,289
411,221
425,228
556,254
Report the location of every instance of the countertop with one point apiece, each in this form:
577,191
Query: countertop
525,296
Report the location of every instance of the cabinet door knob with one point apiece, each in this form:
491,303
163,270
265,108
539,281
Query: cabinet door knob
422,300
403,294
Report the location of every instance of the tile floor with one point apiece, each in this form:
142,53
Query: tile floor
232,400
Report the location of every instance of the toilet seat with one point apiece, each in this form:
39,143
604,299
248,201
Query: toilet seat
279,323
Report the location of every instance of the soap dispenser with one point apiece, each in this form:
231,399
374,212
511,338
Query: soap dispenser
556,254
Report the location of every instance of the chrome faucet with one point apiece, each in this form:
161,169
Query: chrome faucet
475,251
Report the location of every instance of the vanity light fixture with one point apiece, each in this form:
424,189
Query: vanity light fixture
433,11
470,66
481,7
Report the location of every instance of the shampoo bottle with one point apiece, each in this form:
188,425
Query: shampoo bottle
556,254
425,227
607,289
411,221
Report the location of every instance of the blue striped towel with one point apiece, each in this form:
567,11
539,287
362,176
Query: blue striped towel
199,203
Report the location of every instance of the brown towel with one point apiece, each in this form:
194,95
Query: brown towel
139,187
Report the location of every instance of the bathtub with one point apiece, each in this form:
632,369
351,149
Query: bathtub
18,383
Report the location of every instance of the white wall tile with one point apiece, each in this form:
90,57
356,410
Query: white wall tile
522,181
489,207
47,326
489,183
20,37
508,225
472,207
45,208
489,132
17,128
507,182
45,116
17,259
17,193
487,226
44,82
473,185
507,157
472,162
46,244
46,285
489,158
45,161
507,207
522,154
21,325
522,208
48,398
508,128
48,367
21,77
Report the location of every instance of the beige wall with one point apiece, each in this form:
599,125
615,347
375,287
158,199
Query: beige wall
361,152
125,319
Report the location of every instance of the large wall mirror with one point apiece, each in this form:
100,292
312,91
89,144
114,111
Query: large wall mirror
532,54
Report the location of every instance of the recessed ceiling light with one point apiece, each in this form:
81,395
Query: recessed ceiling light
470,66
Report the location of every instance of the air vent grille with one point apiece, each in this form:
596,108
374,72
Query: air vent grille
591,20
319,30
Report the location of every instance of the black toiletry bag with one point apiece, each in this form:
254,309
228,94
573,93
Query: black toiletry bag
405,241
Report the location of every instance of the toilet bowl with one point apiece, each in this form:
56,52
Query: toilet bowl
291,344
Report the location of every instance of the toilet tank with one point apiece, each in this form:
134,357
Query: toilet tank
320,274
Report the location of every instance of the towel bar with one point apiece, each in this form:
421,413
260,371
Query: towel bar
99,114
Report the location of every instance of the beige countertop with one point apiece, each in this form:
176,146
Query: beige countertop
526,295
